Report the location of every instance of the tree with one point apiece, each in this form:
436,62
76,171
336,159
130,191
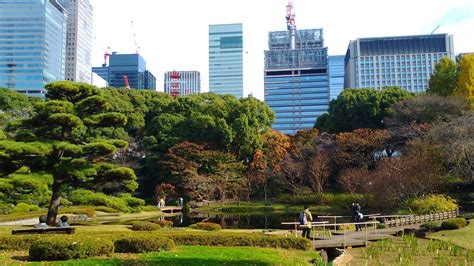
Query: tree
266,162
68,136
318,172
359,108
443,82
14,105
465,84
357,149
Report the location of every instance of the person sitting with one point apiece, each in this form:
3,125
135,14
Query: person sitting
42,223
63,222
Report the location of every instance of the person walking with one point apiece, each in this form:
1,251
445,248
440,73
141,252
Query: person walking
181,202
357,215
305,221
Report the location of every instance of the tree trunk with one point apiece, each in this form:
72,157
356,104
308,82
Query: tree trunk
265,191
54,204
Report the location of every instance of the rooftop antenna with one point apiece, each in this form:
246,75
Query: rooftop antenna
437,27
291,23
137,48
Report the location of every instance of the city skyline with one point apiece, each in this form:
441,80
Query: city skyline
165,38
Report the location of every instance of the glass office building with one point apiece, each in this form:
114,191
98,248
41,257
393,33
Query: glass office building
404,61
79,40
181,83
32,44
296,80
336,75
226,53
132,66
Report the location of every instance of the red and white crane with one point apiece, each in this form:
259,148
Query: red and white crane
291,23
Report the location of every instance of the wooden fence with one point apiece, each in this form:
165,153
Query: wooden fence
400,220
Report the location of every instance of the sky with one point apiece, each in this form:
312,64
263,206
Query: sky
173,34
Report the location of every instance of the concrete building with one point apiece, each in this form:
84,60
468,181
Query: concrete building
296,78
79,39
226,59
336,75
32,44
181,83
127,67
404,61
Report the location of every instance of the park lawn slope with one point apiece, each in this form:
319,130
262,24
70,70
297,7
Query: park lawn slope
462,237
188,255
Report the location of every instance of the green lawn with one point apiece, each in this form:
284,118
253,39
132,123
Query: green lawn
187,255
463,237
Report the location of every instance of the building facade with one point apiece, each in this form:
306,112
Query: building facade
32,44
182,83
404,61
131,67
79,39
336,75
296,80
226,74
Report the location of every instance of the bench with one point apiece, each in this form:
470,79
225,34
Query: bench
50,230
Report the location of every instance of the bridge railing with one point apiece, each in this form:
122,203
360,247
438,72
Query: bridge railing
298,225
345,230
400,220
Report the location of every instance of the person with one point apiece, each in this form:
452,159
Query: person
42,223
305,221
357,215
162,202
63,222
181,202
158,202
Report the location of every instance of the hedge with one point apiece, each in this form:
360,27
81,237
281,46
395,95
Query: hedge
431,226
137,244
179,237
164,223
452,224
66,248
206,226
145,226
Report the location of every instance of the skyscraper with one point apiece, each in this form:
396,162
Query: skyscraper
32,44
79,40
404,61
125,68
180,83
226,59
336,75
296,80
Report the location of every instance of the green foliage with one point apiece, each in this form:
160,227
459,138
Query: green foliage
467,216
360,108
452,224
444,78
87,197
66,248
206,226
145,226
25,187
433,204
143,244
23,207
2,135
343,200
70,91
20,242
431,226
105,209
164,223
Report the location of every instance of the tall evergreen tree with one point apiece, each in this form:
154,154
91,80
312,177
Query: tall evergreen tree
443,82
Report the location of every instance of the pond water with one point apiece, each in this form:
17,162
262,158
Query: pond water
238,221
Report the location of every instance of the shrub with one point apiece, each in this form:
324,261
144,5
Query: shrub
164,223
250,240
131,201
467,216
124,203
246,209
66,248
452,224
105,209
23,207
17,242
138,244
89,211
206,226
145,226
431,226
381,226
433,204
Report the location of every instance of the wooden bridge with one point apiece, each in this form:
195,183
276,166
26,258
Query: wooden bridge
338,235
171,209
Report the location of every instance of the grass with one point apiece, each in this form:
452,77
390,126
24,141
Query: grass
409,250
462,237
188,255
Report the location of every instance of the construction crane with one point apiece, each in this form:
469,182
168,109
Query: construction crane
137,48
291,23
106,55
437,27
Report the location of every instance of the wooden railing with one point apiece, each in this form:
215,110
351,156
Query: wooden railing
400,220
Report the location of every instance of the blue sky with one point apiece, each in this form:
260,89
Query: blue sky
173,34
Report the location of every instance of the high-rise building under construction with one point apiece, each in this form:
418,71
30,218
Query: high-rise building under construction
296,76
